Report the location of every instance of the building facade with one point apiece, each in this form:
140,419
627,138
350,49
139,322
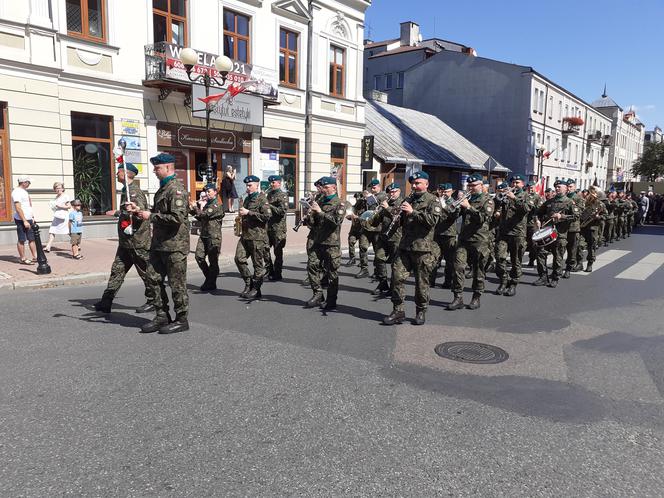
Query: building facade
654,136
79,75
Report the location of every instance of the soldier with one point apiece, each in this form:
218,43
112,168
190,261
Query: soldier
255,212
493,228
531,227
609,227
446,235
390,235
169,247
210,216
419,216
370,234
631,214
307,219
621,215
133,242
276,227
355,230
326,216
562,211
474,240
512,235
573,233
593,212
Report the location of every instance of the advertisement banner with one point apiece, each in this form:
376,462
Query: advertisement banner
242,108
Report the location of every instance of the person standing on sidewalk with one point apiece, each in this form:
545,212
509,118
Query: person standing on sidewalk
133,243
60,206
24,220
210,215
169,247
276,228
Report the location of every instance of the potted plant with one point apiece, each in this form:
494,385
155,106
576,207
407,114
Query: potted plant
87,180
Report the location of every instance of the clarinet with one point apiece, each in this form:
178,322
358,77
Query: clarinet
396,217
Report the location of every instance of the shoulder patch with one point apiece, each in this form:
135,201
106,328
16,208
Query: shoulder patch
209,210
341,210
437,209
178,202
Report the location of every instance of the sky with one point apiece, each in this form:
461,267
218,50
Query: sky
581,45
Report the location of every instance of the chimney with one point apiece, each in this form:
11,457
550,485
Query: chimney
410,34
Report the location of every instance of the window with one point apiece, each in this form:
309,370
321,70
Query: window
236,36
551,107
560,110
94,184
378,79
86,19
540,103
169,20
288,162
288,67
535,99
5,174
557,155
548,143
400,76
338,165
388,81
337,70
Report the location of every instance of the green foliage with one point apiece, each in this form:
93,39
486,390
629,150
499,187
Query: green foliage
651,163
87,179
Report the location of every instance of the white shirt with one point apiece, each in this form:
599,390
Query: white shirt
21,195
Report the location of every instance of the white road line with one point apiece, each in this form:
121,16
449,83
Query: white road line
644,268
603,259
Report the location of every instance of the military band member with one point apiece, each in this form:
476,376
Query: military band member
512,235
594,211
474,242
210,216
306,222
561,210
631,213
446,235
276,227
355,230
609,227
133,242
389,234
621,215
532,222
493,228
255,212
370,234
573,234
169,247
326,216
418,222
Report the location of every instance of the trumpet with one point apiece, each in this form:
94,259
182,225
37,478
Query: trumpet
304,205
456,203
500,196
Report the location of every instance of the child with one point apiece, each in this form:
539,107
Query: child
76,229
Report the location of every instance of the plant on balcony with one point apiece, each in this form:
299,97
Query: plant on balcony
589,164
571,124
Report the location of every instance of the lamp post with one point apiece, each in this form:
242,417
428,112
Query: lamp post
539,153
223,64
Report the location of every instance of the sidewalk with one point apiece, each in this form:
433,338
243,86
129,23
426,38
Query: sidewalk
98,255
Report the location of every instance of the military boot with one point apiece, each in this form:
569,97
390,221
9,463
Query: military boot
363,273
475,301
394,318
578,267
208,285
500,291
330,303
247,287
325,282
180,324
553,283
566,274
315,300
255,292
457,304
383,287
510,291
146,308
306,282
103,306
274,277
589,267
446,285
352,261
420,317
156,324
542,280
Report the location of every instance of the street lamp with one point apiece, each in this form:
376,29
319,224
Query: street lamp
223,64
540,151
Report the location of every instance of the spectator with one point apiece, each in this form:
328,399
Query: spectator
644,205
24,219
76,229
60,206
228,191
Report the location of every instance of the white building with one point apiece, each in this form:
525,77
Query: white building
654,136
79,75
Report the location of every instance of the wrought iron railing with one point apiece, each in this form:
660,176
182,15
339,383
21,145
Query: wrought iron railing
155,61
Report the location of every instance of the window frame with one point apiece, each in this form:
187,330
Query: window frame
296,159
334,66
236,36
169,24
6,167
389,80
85,26
286,53
378,81
400,79
341,182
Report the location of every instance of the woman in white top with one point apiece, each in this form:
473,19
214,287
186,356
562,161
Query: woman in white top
60,206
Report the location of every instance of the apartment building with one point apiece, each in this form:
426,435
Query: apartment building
654,136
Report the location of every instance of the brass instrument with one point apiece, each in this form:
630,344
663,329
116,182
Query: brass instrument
396,216
237,227
304,206
456,203
500,196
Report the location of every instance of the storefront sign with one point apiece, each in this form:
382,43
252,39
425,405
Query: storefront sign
172,135
242,109
133,142
367,152
130,127
132,156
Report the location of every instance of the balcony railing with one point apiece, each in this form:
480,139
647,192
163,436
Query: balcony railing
572,125
595,136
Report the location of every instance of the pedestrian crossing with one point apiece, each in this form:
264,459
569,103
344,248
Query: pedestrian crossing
641,270
606,258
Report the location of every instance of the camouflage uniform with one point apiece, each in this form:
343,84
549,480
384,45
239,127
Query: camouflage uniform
169,248
565,206
324,257
353,236
253,241
621,217
363,243
445,238
371,236
594,212
415,251
389,243
631,217
133,250
531,227
609,228
474,243
209,241
573,233
276,232
512,236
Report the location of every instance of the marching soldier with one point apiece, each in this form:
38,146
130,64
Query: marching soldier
493,228
370,236
276,227
446,235
573,233
306,222
210,217
419,216
609,227
631,216
169,247
474,242
512,235
355,230
255,212
594,211
326,216
562,211
133,242
389,234
536,201
620,215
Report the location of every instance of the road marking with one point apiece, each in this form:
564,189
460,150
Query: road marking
644,268
605,258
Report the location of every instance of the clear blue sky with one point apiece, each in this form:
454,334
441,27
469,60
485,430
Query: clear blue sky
579,44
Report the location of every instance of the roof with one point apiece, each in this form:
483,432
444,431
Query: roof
605,101
401,50
403,135
380,43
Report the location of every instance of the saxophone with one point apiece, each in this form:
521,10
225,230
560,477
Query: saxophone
237,227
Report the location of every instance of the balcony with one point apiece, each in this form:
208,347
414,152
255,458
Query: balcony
606,141
572,125
595,136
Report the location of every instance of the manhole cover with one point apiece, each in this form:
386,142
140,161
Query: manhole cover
471,352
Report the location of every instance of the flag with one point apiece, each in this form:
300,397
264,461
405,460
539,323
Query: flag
539,187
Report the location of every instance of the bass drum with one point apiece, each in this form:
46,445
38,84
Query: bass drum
545,236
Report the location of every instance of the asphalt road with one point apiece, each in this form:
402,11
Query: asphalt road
270,399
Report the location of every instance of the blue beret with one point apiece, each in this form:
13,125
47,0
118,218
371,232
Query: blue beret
327,180
392,186
274,178
475,177
373,182
162,158
502,186
560,182
516,178
419,175
571,181
251,179
129,167
211,186
449,186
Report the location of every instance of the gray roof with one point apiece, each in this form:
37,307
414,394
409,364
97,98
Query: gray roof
605,101
404,135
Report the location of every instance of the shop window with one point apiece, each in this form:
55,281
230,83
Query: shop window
288,162
169,20
338,165
93,165
237,36
5,173
87,19
288,57
337,70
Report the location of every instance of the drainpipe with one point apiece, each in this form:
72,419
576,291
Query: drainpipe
308,100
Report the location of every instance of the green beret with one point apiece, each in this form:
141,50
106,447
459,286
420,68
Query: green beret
391,187
502,186
327,180
374,181
129,167
559,182
516,178
571,181
475,177
417,176
274,178
162,158
251,179
211,186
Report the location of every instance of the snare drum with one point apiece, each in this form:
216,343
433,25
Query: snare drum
545,236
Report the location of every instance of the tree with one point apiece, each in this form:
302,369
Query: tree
651,163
